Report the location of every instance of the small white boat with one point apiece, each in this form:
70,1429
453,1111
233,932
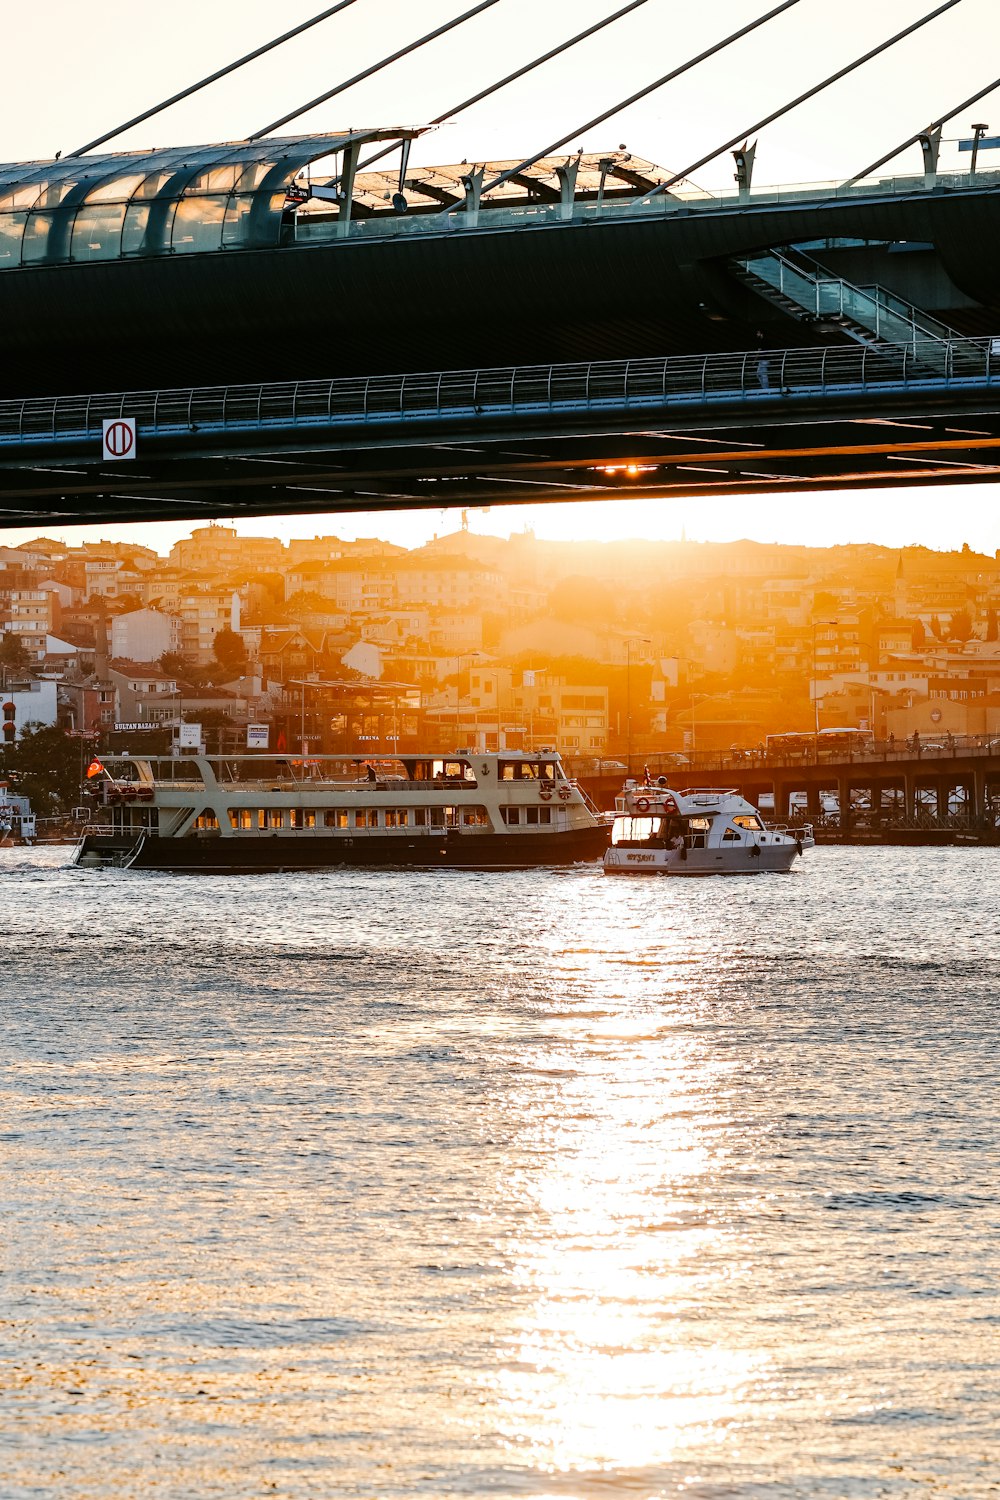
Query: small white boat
17,821
700,831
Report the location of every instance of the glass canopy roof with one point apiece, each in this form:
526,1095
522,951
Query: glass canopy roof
175,201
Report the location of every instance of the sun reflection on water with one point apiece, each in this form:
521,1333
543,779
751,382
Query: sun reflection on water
611,1362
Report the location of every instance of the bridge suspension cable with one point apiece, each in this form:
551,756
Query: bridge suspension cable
493,88
817,88
385,62
934,125
278,41
633,98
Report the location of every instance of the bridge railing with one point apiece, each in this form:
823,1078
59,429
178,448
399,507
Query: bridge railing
683,381
683,198
906,754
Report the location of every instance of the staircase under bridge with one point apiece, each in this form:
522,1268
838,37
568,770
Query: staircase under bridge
872,315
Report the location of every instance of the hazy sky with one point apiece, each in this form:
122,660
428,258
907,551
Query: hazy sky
73,70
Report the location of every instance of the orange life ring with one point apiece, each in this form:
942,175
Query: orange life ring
546,796
642,806
564,794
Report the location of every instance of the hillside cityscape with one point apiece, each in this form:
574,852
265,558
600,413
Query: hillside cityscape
615,651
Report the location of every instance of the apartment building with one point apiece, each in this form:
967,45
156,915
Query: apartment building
29,614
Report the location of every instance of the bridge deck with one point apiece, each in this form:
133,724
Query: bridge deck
840,416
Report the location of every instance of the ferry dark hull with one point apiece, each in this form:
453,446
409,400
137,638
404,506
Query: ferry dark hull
288,852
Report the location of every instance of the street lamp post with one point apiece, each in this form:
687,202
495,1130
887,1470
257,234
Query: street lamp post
629,642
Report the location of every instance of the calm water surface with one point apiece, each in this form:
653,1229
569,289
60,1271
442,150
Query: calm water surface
539,1184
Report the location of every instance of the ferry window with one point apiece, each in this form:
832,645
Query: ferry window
309,820
437,817
396,817
745,820
241,817
366,817
420,817
261,818
295,818
206,822
476,817
275,818
545,815
549,771
701,824
731,836
453,770
451,817
511,816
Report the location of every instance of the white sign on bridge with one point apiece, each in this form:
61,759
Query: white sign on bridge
119,438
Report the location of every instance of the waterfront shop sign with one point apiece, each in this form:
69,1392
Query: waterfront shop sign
256,736
119,438
137,728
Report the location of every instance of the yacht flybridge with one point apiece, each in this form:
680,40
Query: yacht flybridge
700,831
467,810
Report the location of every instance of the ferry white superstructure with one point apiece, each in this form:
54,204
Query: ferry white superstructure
700,831
469,809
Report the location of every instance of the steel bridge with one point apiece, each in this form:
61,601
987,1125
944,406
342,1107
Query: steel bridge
765,421
293,327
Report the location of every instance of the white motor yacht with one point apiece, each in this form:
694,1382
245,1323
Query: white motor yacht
700,831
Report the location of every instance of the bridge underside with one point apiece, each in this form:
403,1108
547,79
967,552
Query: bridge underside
713,354
768,423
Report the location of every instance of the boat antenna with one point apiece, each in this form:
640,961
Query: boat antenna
203,83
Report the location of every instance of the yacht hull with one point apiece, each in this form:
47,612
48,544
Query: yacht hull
775,859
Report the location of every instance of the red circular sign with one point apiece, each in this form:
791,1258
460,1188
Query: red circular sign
119,439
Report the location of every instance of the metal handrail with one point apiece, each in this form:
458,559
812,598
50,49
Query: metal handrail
633,385
823,294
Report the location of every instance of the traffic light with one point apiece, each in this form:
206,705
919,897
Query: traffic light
9,726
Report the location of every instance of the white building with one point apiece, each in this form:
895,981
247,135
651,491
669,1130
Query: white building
32,703
144,635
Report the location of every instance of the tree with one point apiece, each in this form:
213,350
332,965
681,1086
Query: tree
229,650
992,633
45,766
960,628
174,664
15,660
936,628
919,635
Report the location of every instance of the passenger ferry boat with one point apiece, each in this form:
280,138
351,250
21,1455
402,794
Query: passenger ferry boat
17,821
702,831
470,810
